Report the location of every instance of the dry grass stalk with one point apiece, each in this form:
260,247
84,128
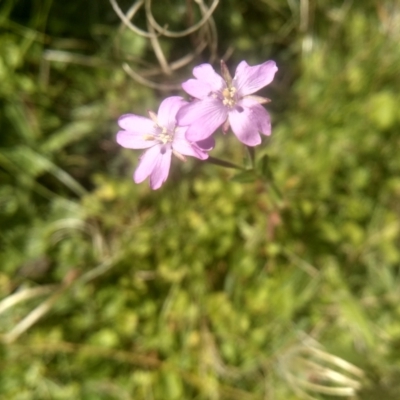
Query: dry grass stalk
310,370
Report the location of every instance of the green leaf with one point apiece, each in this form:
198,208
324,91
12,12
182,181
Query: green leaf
263,167
31,163
245,177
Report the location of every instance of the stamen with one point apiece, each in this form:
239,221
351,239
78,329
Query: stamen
229,96
225,126
225,73
259,99
153,117
148,137
179,155
226,93
165,136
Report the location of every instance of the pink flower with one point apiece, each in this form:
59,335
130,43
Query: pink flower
228,102
162,137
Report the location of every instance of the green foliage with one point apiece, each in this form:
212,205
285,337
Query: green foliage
213,286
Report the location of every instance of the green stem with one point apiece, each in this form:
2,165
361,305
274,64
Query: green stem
270,184
252,155
223,163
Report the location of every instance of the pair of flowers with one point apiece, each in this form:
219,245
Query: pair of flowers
186,128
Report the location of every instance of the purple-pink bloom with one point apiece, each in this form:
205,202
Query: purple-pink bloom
162,137
227,102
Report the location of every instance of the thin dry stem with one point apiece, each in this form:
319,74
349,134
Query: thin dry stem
175,65
185,32
211,32
158,51
72,58
25,294
181,62
329,374
34,315
126,20
154,85
307,368
339,362
207,36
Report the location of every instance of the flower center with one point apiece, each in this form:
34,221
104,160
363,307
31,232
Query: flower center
229,96
163,135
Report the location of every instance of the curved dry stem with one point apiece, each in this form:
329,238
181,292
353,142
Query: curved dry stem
228,53
185,32
333,391
337,361
56,291
207,37
158,51
189,57
307,368
99,270
130,14
40,310
177,64
25,294
33,316
211,32
153,85
328,374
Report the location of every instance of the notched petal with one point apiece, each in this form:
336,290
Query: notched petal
136,124
245,127
161,170
203,118
134,140
258,114
206,74
249,79
197,89
147,162
167,111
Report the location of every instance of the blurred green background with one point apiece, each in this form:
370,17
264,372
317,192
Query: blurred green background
211,287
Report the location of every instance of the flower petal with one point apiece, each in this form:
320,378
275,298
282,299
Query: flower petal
136,124
161,170
134,140
206,144
147,163
203,118
259,114
249,79
184,147
168,110
244,125
206,74
196,88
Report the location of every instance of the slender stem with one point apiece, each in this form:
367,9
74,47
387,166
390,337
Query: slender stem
252,155
223,163
270,184
268,181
